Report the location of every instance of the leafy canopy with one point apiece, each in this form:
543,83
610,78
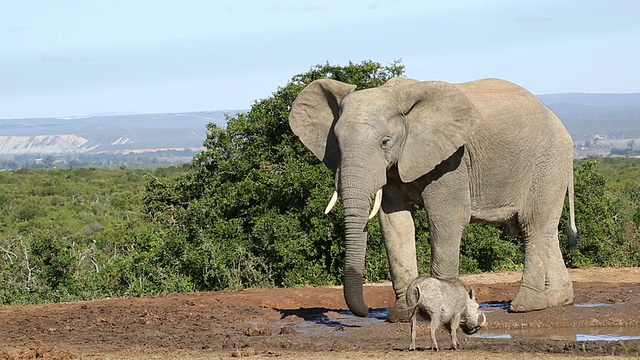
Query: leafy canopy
250,210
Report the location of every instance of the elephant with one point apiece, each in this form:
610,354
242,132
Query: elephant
485,151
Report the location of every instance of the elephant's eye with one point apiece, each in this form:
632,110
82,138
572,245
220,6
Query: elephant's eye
385,142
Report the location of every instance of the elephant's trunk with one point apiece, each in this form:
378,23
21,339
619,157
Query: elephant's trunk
356,193
356,211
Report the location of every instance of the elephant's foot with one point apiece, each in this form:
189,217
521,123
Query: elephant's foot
559,288
528,299
398,314
560,295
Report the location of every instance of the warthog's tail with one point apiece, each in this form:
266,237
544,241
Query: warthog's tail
417,293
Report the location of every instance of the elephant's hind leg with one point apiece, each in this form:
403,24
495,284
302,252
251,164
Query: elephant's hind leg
545,279
559,287
531,294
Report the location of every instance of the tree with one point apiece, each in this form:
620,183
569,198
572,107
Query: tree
604,219
250,209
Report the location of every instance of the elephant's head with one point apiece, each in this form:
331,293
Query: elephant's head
361,134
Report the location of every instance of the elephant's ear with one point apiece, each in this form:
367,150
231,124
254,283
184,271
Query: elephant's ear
313,115
440,119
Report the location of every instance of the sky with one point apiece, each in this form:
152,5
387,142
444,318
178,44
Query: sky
77,58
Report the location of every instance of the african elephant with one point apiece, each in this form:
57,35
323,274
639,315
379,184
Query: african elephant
484,151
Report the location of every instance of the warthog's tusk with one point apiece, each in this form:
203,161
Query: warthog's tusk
484,320
376,204
332,202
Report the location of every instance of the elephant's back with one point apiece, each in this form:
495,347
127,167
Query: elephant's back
493,96
492,87
517,135
507,108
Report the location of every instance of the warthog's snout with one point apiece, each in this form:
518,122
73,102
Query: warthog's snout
472,329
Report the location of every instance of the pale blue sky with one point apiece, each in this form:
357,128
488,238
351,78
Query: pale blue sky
68,57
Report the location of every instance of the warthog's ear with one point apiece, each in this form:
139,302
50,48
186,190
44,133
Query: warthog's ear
472,294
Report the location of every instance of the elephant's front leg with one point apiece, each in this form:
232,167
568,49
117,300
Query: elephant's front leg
448,203
398,231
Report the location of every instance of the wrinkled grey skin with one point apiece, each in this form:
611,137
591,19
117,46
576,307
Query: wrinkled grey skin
485,151
444,302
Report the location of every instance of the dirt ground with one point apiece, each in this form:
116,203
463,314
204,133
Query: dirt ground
312,323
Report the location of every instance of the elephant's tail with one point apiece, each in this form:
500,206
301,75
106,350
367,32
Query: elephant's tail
572,231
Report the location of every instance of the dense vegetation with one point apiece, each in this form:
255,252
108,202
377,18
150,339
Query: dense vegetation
142,160
72,234
248,211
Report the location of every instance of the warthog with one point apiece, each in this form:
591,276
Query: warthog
445,302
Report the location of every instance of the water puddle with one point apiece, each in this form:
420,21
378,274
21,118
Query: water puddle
505,305
593,305
576,334
339,320
321,321
496,304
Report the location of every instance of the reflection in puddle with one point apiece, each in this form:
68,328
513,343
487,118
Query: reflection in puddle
592,305
577,334
380,314
584,337
496,304
505,304
491,336
339,321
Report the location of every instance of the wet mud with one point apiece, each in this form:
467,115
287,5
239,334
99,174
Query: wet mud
308,321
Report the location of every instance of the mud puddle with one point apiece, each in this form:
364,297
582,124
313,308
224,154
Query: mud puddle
574,334
317,322
568,333
324,321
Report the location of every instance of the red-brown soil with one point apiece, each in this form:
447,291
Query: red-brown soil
311,323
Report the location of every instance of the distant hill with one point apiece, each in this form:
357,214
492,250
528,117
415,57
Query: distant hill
599,121
592,100
107,133
587,115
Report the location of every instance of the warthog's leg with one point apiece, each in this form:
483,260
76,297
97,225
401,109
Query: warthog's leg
433,326
413,320
453,329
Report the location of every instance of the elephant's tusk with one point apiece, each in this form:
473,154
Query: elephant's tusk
483,323
332,202
376,204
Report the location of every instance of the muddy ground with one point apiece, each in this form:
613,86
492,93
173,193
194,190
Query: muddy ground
312,323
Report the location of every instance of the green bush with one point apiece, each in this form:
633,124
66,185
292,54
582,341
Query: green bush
604,218
60,243
145,265
486,248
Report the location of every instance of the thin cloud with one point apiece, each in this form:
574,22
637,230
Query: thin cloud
64,58
534,19
298,9
19,28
